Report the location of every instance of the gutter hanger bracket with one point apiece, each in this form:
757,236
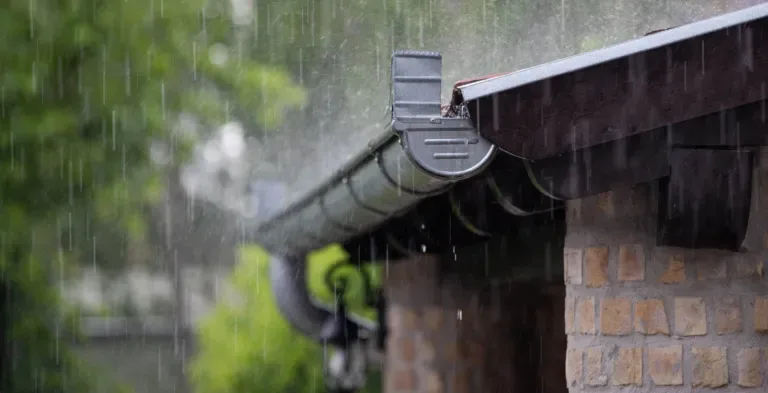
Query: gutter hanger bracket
447,147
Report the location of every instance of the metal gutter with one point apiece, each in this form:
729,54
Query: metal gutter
422,153
486,87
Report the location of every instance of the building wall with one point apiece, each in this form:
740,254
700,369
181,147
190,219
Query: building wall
643,318
455,330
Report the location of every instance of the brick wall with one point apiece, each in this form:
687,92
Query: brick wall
458,333
645,318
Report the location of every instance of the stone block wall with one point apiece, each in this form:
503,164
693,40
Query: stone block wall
645,318
451,332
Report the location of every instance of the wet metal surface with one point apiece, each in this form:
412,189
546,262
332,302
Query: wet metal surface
613,93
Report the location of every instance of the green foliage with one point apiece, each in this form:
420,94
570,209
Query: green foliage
85,86
247,347
41,357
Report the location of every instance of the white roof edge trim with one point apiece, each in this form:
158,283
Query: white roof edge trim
486,87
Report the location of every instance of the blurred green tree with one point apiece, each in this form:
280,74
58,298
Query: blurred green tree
85,86
245,345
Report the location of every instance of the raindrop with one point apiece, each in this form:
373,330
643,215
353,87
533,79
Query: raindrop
70,183
13,159
194,60
127,76
162,98
93,253
34,76
114,130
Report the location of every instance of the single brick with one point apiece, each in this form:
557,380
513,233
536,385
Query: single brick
426,350
749,368
573,367
616,317
710,269
727,315
631,263
710,367
402,380
401,318
593,367
690,316
675,272
451,351
665,365
572,261
406,347
596,262
570,310
605,203
761,314
432,382
585,315
745,267
433,318
394,317
628,368
650,317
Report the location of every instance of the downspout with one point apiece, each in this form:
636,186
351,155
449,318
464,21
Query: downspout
287,275
331,325
346,366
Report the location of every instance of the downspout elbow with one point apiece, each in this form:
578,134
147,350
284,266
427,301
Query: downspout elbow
287,275
330,325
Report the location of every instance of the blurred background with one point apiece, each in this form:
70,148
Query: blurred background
134,133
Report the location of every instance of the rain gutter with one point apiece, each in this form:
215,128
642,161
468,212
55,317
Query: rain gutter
421,154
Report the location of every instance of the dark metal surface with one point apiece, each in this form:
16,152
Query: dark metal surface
743,126
511,188
644,157
470,213
705,202
577,174
616,92
288,283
